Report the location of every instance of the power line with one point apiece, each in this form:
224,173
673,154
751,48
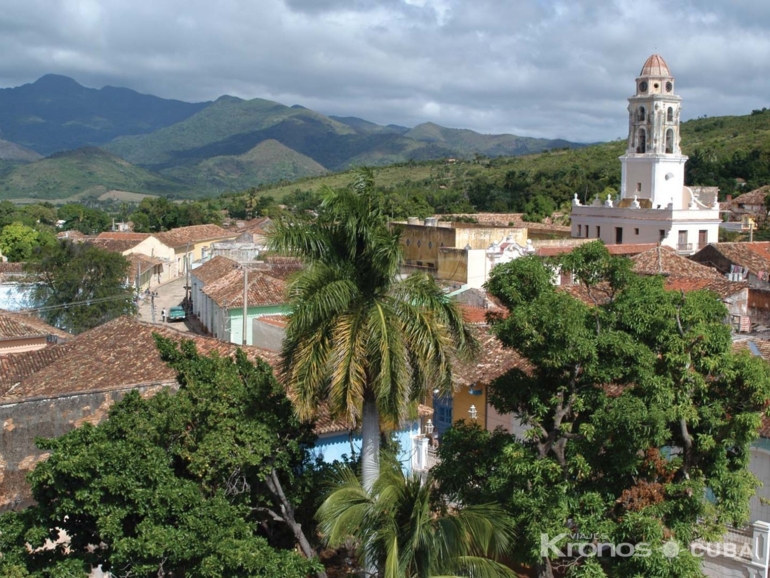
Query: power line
76,303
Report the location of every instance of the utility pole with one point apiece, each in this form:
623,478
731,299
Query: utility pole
245,303
152,306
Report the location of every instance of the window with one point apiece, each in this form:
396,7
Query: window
419,243
580,231
430,244
703,239
618,235
640,113
638,187
586,231
662,234
408,242
641,140
636,231
670,141
670,114
598,231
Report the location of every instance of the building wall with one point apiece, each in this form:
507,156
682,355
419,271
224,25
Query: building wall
331,447
462,400
24,421
759,307
645,225
155,248
235,333
267,336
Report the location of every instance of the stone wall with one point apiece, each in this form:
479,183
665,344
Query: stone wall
26,420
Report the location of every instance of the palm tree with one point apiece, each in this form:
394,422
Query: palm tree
360,339
402,530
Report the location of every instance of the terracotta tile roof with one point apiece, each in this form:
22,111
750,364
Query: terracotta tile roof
117,355
114,245
280,267
721,286
493,361
600,292
630,248
14,325
194,234
474,315
263,290
755,197
123,235
214,269
665,261
140,261
16,366
753,256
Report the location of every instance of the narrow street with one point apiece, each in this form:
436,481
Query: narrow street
168,295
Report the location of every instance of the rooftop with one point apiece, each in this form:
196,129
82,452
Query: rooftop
114,245
214,269
194,234
117,355
665,261
655,66
753,256
263,290
123,235
15,325
755,197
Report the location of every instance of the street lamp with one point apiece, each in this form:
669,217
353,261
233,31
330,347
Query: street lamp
473,411
429,427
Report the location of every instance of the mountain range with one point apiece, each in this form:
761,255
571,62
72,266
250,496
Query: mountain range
148,144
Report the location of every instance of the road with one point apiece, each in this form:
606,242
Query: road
168,295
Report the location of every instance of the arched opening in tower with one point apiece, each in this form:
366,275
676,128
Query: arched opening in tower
670,114
670,140
641,141
640,113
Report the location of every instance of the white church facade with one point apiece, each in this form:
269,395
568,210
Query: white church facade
654,205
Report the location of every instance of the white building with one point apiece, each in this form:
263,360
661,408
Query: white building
654,204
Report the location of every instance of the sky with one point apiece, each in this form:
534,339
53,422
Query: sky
544,68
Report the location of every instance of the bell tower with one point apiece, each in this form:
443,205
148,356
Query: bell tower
653,165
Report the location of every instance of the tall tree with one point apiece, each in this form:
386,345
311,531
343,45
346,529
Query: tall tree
639,418
201,483
358,338
410,533
81,286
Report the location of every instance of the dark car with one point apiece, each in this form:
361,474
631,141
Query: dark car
176,313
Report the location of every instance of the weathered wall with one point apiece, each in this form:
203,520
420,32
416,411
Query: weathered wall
267,336
483,237
24,421
759,306
421,244
453,264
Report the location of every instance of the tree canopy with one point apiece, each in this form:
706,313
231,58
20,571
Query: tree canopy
638,418
199,483
81,286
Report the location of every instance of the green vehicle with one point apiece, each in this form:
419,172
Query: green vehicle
176,313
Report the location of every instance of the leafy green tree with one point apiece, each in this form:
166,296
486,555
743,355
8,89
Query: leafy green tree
81,286
17,241
358,338
639,418
84,219
201,483
404,528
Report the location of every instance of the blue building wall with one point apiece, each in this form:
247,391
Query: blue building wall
331,447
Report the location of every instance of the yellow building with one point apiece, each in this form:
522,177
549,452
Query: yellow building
190,243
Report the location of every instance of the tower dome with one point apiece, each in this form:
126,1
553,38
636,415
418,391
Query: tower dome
655,66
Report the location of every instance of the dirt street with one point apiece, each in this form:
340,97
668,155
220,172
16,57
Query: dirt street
168,295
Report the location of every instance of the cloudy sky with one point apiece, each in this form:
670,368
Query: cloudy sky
529,67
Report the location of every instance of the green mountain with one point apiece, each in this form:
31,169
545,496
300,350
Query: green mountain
55,113
268,162
83,172
10,151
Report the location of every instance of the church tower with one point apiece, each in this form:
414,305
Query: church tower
654,206
653,166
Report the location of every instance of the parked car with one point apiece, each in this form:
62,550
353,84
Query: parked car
176,313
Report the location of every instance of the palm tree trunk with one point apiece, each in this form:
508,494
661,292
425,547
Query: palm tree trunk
370,450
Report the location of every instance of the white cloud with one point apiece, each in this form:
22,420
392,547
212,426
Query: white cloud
534,67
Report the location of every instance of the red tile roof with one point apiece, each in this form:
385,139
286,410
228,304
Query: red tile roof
16,366
123,235
141,262
504,220
194,234
753,256
120,354
493,361
721,286
630,248
114,245
665,261
214,269
14,325
755,197
274,320
263,290
474,315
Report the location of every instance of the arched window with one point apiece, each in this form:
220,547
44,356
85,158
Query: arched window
670,114
640,113
670,140
641,141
